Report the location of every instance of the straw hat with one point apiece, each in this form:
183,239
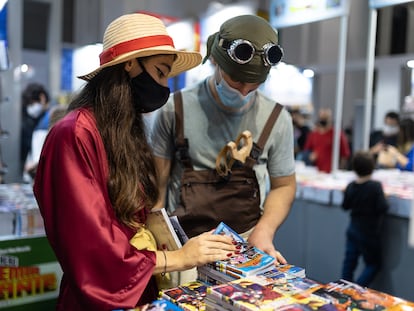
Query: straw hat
138,35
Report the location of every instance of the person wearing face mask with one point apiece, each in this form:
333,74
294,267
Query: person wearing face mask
388,135
402,155
301,129
320,142
218,109
35,104
96,180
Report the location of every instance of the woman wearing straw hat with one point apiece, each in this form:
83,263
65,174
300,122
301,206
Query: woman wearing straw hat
96,179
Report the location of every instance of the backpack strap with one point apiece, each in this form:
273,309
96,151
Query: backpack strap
257,148
181,142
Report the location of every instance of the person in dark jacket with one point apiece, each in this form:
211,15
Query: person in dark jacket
35,103
365,199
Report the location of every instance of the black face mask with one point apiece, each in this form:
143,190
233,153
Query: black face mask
323,122
148,95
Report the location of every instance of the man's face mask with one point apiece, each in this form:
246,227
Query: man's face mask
34,110
389,130
148,95
231,97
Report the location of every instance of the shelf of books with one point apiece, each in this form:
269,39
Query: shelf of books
29,273
324,188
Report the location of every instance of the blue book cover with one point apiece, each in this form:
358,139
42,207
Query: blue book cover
250,260
159,305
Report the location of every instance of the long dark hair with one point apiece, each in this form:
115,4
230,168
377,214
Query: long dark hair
406,135
132,183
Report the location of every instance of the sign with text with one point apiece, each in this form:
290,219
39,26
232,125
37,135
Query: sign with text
29,273
286,13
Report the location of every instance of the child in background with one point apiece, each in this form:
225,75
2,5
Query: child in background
365,199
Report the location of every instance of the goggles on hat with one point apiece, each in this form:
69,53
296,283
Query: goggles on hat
242,51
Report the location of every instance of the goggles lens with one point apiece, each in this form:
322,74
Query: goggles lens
273,53
242,51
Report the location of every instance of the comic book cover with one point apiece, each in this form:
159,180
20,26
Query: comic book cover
292,269
189,296
314,302
402,306
347,295
244,294
249,261
159,305
294,285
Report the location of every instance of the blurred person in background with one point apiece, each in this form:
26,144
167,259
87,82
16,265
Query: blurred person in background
388,135
301,129
365,199
51,116
401,156
320,140
35,103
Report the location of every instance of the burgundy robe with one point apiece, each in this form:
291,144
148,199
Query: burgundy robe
102,271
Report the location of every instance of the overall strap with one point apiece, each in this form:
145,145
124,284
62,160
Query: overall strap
258,147
181,142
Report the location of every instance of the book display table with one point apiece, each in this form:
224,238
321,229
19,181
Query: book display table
313,235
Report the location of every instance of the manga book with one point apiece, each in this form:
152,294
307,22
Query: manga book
249,261
159,223
158,305
292,269
346,295
189,296
244,294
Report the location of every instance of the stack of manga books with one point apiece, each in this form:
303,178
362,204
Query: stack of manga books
249,261
256,293
270,290
277,291
251,281
189,296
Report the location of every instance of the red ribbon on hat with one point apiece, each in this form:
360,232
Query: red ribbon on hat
134,45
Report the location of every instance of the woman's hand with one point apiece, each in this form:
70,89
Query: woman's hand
204,248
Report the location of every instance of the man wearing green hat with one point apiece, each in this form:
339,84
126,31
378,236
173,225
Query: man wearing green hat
216,111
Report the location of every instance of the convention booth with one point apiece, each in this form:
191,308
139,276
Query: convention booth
288,13
313,236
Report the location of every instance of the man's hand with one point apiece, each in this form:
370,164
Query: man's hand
263,241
